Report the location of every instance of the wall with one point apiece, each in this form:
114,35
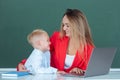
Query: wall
19,17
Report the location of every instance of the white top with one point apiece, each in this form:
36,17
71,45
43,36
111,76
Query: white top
39,62
69,60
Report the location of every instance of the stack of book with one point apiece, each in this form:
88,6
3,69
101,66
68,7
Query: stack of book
14,74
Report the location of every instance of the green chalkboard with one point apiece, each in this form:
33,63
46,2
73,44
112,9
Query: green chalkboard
19,17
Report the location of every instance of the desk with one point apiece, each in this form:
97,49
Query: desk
113,74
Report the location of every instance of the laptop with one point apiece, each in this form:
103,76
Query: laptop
100,62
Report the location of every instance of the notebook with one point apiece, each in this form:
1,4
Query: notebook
99,63
14,74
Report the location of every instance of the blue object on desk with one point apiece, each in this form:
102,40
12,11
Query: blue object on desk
14,74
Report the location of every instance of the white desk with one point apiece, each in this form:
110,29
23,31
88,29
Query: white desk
113,74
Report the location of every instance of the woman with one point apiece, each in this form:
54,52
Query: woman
72,46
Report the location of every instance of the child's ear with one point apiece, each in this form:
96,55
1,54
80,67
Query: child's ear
38,42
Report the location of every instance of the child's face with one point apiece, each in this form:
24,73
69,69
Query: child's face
45,43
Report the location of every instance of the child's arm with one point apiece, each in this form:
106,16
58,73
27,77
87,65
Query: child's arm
46,70
44,65
38,65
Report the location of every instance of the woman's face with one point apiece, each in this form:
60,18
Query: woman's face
66,26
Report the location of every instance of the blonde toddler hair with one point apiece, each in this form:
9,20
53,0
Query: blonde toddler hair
36,35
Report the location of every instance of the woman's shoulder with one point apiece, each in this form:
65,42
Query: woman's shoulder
55,34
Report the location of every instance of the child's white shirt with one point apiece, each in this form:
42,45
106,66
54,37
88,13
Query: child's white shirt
39,62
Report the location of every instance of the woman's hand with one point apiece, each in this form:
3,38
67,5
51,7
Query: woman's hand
61,72
77,71
21,67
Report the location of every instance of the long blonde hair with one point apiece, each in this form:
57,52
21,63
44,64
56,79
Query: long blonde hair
80,33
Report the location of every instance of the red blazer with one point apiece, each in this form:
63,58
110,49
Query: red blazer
58,49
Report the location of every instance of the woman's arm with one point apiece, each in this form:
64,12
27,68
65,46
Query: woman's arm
20,66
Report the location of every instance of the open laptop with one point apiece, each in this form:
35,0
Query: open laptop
99,63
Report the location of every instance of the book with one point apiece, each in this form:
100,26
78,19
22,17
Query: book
14,74
4,77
